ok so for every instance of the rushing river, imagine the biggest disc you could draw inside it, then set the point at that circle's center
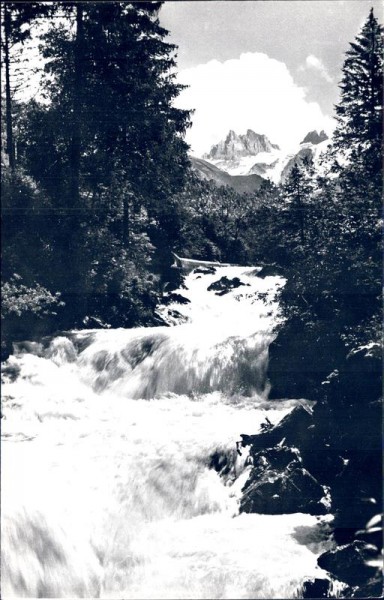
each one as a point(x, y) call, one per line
point(109, 442)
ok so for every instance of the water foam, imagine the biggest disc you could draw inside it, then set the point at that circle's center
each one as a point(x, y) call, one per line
point(107, 478)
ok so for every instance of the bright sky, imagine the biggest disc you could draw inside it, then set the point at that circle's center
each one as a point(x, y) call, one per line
point(269, 65)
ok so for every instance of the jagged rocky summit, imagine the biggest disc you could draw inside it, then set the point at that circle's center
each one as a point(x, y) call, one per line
point(236, 146)
point(313, 137)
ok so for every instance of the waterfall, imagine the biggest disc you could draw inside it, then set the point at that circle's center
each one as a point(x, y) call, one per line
point(120, 476)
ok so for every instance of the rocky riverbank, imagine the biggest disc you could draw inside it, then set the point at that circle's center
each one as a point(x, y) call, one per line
point(326, 459)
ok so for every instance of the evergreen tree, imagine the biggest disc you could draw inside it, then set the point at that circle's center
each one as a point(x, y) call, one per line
point(359, 114)
point(122, 70)
point(297, 200)
point(108, 148)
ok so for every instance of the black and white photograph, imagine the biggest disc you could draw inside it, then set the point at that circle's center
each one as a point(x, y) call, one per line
point(191, 299)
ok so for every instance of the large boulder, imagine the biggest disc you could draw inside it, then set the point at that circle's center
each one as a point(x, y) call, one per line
point(358, 378)
point(301, 357)
point(174, 298)
point(279, 484)
point(316, 588)
point(350, 563)
point(290, 491)
point(301, 428)
point(270, 271)
point(372, 588)
point(225, 285)
point(292, 428)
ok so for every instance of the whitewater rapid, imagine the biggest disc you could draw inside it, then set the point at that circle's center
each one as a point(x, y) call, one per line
point(110, 438)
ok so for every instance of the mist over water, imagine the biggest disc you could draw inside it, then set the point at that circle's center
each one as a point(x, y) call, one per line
point(109, 442)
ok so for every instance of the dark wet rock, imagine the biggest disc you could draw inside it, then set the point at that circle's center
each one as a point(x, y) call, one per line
point(174, 297)
point(205, 270)
point(159, 321)
point(299, 429)
point(358, 378)
point(316, 588)
point(176, 316)
point(10, 371)
point(225, 285)
point(221, 462)
point(278, 482)
point(349, 563)
point(301, 357)
point(95, 323)
point(290, 491)
point(6, 349)
point(372, 588)
point(293, 427)
point(277, 458)
point(270, 271)
point(356, 499)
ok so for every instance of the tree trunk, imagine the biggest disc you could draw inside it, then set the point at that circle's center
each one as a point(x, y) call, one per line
point(75, 152)
point(125, 223)
point(300, 207)
point(76, 268)
point(8, 100)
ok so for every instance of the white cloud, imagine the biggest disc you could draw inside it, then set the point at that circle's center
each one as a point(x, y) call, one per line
point(251, 92)
point(314, 63)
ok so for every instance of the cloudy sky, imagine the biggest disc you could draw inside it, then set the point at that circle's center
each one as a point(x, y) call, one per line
point(269, 65)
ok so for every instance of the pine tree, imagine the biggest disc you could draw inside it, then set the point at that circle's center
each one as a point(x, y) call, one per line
point(108, 147)
point(17, 19)
point(297, 191)
point(127, 83)
point(359, 114)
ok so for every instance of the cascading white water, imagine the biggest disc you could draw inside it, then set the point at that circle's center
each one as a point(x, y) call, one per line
point(109, 438)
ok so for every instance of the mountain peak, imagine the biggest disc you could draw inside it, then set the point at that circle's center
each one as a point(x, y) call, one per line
point(231, 135)
point(235, 146)
point(313, 137)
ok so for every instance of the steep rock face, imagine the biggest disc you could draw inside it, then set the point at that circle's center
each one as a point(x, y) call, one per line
point(235, 146)
point(306, 152)
point(313, 137)
point(263, 169)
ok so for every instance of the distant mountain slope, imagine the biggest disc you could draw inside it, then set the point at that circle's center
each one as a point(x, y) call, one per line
point(241, 183)
point(307, 150)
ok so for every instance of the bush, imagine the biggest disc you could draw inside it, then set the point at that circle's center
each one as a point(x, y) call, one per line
point(26, 311)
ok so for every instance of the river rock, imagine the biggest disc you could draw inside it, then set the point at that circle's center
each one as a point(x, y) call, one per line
point(301, 357)
point(292, 428)
point(269, 271)
point(225, 285)
point(270, 491)
point(175, 298)
point(372, 588)
point(349, 563)
point(205, 270)
point(358, 379)
point(316, 588)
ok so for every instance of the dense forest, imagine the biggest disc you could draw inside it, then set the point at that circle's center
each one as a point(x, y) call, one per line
point(98, 191)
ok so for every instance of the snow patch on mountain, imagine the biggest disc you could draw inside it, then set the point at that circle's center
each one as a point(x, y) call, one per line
point(255, 154)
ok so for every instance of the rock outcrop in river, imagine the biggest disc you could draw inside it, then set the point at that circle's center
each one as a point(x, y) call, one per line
point(338, 447)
